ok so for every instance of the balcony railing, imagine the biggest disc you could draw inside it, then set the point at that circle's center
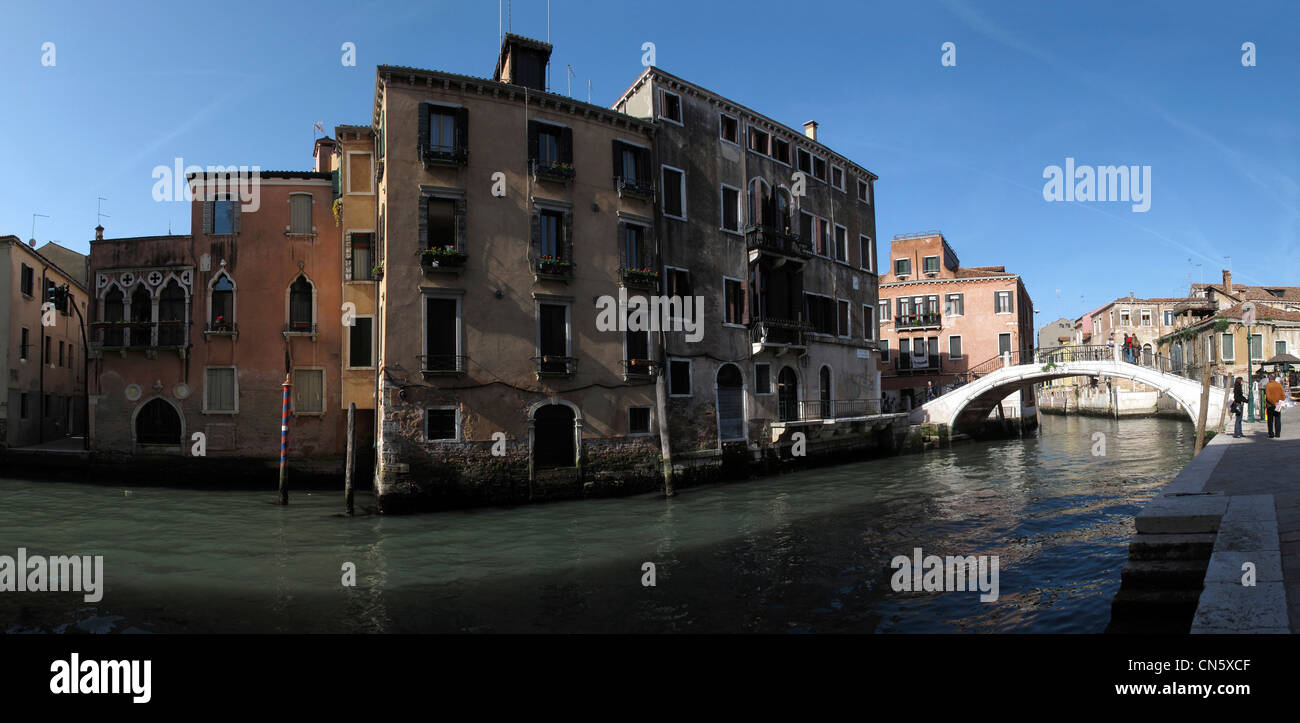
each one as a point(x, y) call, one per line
point(449, 364)
point(917, 366)
point(125, 334)
point(549, 365)
point(917, 321)
point(778, 332)
point(826, 409)
point(640, 369)
point(634, 188)
point(555, 171)
point(769, 239)
point(457, 155)
point(641, 278)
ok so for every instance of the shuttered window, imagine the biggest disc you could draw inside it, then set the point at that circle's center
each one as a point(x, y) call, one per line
point(300, 213)
point(220, 388)
point(308, 391)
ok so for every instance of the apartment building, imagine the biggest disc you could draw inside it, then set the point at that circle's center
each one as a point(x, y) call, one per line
point(942, 322)
point(44, 359)
point(198, 332)
point(775, 231)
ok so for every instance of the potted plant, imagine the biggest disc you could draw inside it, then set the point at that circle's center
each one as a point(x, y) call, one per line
point(377, 272)
point(548, 264)
point(441, 256)
point(643, 275)
point(220, 323)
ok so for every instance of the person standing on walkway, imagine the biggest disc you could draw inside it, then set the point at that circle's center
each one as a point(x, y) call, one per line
point(1273, 396)
point(1238, 406)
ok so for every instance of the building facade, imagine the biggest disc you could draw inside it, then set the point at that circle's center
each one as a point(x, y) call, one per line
point(942, 322)
point(44, 359)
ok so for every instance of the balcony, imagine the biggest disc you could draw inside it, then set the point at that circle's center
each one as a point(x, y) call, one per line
point(550, 366)
point(908, 365)
point(146, 336)
point(447, 365)
point(550, 268)
point(642, 190)
point(928, 320)
point(300, 328)
point(640, 370)
point(443, 260)
point(558, 172)
point(639, 278)
point(770, 240)
point(443, 155)
point(781, 335)
point(221, 327)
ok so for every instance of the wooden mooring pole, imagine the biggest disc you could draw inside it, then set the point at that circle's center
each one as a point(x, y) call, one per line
point(347, 475)
point(1204, 410)
point(284, 443)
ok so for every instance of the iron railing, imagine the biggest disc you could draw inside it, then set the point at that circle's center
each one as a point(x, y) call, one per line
point(913, 321)
point(442, 363)
point(773, 240)
point(771, 330)
point(824, 409)
point(549, 365)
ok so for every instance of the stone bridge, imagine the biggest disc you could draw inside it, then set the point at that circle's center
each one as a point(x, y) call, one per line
point(972, 402)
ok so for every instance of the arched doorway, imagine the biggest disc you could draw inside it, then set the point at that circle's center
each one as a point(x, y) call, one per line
point(1147, 355)
point(731, 404)
point(787, 395)
point(1176, 357)
point(553, 437)
point(824, 392)
point(157, 423)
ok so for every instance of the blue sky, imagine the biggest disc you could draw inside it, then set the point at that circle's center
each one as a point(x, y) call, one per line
point(961, 149)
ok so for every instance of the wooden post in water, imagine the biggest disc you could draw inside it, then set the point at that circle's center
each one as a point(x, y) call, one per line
point(284, 443)
point(347, 475)
point(1204, 410)
point(1223, 411)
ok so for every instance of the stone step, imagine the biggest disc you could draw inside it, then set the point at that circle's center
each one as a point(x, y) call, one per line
point(1174, 546)
point(1171, 575)
point(1153, 611)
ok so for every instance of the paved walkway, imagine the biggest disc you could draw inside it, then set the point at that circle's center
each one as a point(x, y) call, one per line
point(1257, 465)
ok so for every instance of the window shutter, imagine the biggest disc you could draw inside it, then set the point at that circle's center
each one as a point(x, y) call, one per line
point(207, 217)
point(568, 236)
point(618, 159)
point(622, 243)
point(334, 182)
point(566, 145)
point(643, 165)
point(462, 128)
point(533, 152)
point(462, 214)
point(234, 215)
point(536, 228)
point(423, 138)
point(423, 222)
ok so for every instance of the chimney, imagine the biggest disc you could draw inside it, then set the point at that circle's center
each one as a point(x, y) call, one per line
point(810, 129)
point(1227, 281)
point(322, 151)
point(522, 61)
point(99, 232)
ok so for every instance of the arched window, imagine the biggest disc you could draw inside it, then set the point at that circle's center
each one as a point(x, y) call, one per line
point(1147, 358)
point(114, 311)
point(222, 304)
point(787, 395)
point(731, 403)
point(171, 315)
point(300, 304)
point(824, 393)
point(760, 202)
point(784, 221)
point(141, 317)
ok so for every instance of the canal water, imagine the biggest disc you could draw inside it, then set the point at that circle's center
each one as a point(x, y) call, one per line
point(801, 552)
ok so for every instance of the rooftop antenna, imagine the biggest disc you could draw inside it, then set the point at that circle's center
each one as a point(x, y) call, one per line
point(588, 90)
point(509, 12)
point(34, 216)
point(317, 127)
point(99, 210)
point(548, 22)
point(499, 16)
point(570, 79)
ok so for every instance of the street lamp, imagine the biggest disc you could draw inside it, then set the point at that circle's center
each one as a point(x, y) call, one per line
point(1248, 316)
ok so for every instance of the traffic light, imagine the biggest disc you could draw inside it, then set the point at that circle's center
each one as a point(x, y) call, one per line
point(57, 295)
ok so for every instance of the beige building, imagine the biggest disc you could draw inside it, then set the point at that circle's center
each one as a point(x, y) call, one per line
point(44, 363)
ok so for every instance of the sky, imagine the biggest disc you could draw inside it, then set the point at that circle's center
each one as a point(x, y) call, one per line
point(962, 148)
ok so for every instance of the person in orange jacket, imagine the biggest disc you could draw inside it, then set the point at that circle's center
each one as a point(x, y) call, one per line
point(1273, 396)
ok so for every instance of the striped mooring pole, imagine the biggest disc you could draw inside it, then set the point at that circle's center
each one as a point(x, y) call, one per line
point(284, 443)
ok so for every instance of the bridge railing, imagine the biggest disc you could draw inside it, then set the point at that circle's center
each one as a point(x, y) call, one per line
point(1160, 362)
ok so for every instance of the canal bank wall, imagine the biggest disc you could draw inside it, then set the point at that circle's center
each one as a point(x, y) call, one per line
point(1105, 400)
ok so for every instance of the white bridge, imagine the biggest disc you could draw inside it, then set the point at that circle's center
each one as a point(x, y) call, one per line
point(994, 380)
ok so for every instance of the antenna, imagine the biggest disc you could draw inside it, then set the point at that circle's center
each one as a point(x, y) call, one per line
point(317, 127)
point(499, 16)
point(99, 211)
point(570, 79)
point(548, 22)
point(34, 216)
point(509, 12)
point(588, 90)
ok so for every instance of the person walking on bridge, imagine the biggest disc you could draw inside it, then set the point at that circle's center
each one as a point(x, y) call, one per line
point(1273, 396)
point(1238, 405)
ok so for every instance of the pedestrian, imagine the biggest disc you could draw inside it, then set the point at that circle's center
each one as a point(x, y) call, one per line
point(1273, 396)
point(1238, 405)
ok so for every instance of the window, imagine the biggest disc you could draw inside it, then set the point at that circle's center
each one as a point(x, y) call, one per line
point(300, 305)
point(442, 424)
point(360, 179)
point(636, 345)
point(1229, 354)
point(308, 391)
point(631, 163)
point(221, 390)
point(552, 231)
point(679, 378)
point(781, 150)
point(902, 267)
point(954, 347)
point(730, 209)
point(300, 214)
point(866, 253)
point(548, 145)
point(819, 168)
point(1124, 318)
point(820, 312)
point(674, 181)
point(442, 349)
point(634, 250)
point(60, 354)
point(1112, 318)
point(638, 420)
point(930, 264)
point(759, 141)
point(841, 244)
point(954, 304)
point(821, 236)
point(885, 310)
point(27, 280)
point(220, 216)
point(864, 191)
point(22, 406)
point(1146, 317)
point(1169, 317)
point(728, 128)
point(806, 226)
point(805, 160)
point(1256, 347)
point(842, 318)
point(553, 337)
point(677, 282)
point(868, 322)
point(222, 304)
point(26, 342)
point(932, 346)
point(837, 177)
point(1002, 302)
point(443, 135)
point(442, 224)
point(733, 293)
point(1004, 343)
point(762, 379)
point(361, 342)
point(884, 347)
point(1279, 346)
point(670, 107)
point(361, 263)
